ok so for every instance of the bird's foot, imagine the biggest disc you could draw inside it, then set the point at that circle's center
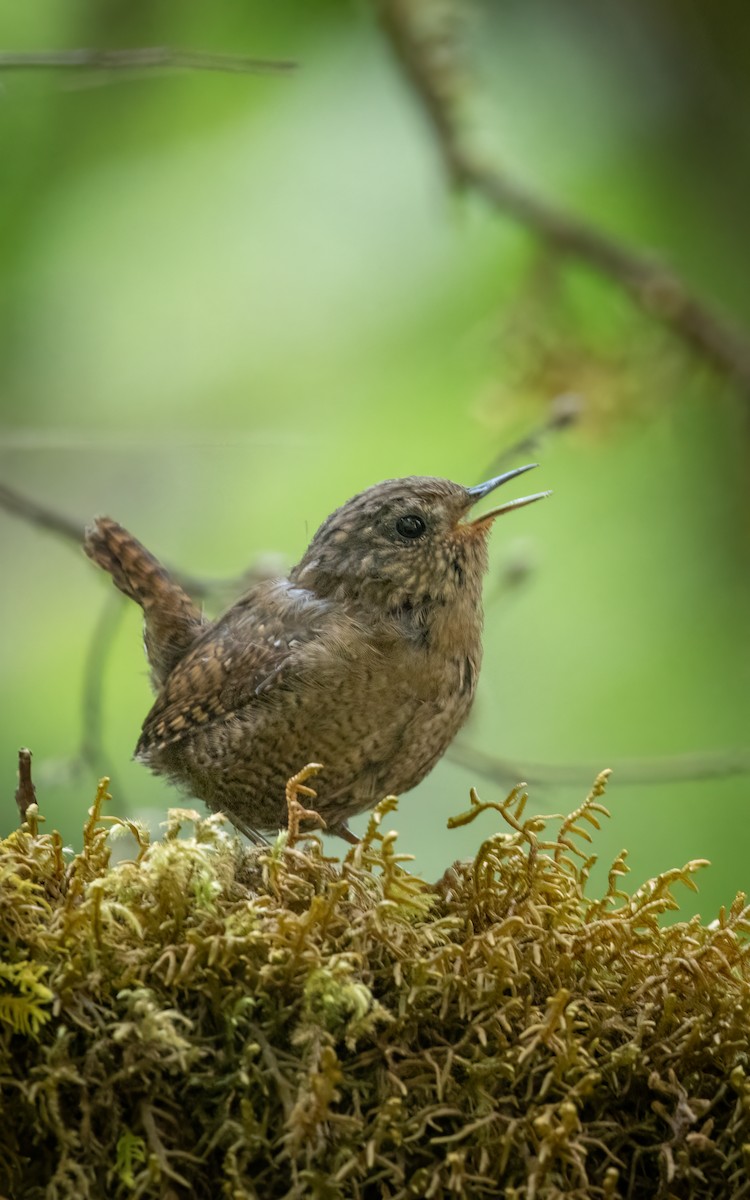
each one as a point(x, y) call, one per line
point(296, 812)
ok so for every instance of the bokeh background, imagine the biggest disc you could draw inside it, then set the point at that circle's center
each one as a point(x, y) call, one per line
point(228, 302)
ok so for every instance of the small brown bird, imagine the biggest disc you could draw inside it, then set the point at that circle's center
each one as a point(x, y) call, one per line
point(365, 659)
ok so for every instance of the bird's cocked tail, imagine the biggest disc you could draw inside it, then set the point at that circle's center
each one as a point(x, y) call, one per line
point(172, 620)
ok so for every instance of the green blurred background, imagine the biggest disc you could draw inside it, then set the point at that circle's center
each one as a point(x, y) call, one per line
point(229, 302)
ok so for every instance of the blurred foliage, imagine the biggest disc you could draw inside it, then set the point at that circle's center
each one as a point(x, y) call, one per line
point(208, 1021)
point(229, 302)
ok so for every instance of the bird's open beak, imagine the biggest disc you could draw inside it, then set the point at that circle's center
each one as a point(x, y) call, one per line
point(483, 489)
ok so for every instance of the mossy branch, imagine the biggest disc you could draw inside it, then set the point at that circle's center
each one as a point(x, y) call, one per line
point(204, 1020)
point(425, 36)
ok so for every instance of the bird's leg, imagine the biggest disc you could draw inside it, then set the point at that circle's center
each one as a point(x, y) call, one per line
point(296, 812)
point(252, 835)
point(247, 831)
point(343, 831)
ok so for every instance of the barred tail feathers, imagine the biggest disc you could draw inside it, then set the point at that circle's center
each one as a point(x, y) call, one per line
point(172, 620)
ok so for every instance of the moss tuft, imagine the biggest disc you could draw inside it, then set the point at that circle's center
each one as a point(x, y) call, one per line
point(208, 1021)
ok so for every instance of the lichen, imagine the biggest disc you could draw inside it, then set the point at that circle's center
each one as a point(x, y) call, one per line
point(210, 1021)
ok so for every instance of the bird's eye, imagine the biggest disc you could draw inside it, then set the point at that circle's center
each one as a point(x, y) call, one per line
point(410, 526)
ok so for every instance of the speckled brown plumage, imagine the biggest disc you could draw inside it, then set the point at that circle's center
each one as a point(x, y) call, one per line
point(364, 659)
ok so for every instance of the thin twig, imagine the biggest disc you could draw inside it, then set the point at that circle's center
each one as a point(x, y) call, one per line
point(429, 56)
point(72, 531)
point(26, 792)
point(674, 768)
point(159, 58)
point(36, 514)
point(565, 410)
point(91, 749)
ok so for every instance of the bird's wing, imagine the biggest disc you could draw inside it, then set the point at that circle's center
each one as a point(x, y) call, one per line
point(241, 660)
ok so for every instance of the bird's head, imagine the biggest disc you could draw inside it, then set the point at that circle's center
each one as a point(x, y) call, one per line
point(405, 542)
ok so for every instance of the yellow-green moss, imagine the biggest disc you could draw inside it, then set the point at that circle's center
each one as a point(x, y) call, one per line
point(207, 1021)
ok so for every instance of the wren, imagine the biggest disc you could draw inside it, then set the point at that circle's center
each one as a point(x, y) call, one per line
point(364, 659)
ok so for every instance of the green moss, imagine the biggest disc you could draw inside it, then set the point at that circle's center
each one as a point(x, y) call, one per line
point(208, 1021)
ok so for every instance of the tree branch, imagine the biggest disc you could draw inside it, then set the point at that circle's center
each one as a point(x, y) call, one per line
point(160, 58)
point(427, 50)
